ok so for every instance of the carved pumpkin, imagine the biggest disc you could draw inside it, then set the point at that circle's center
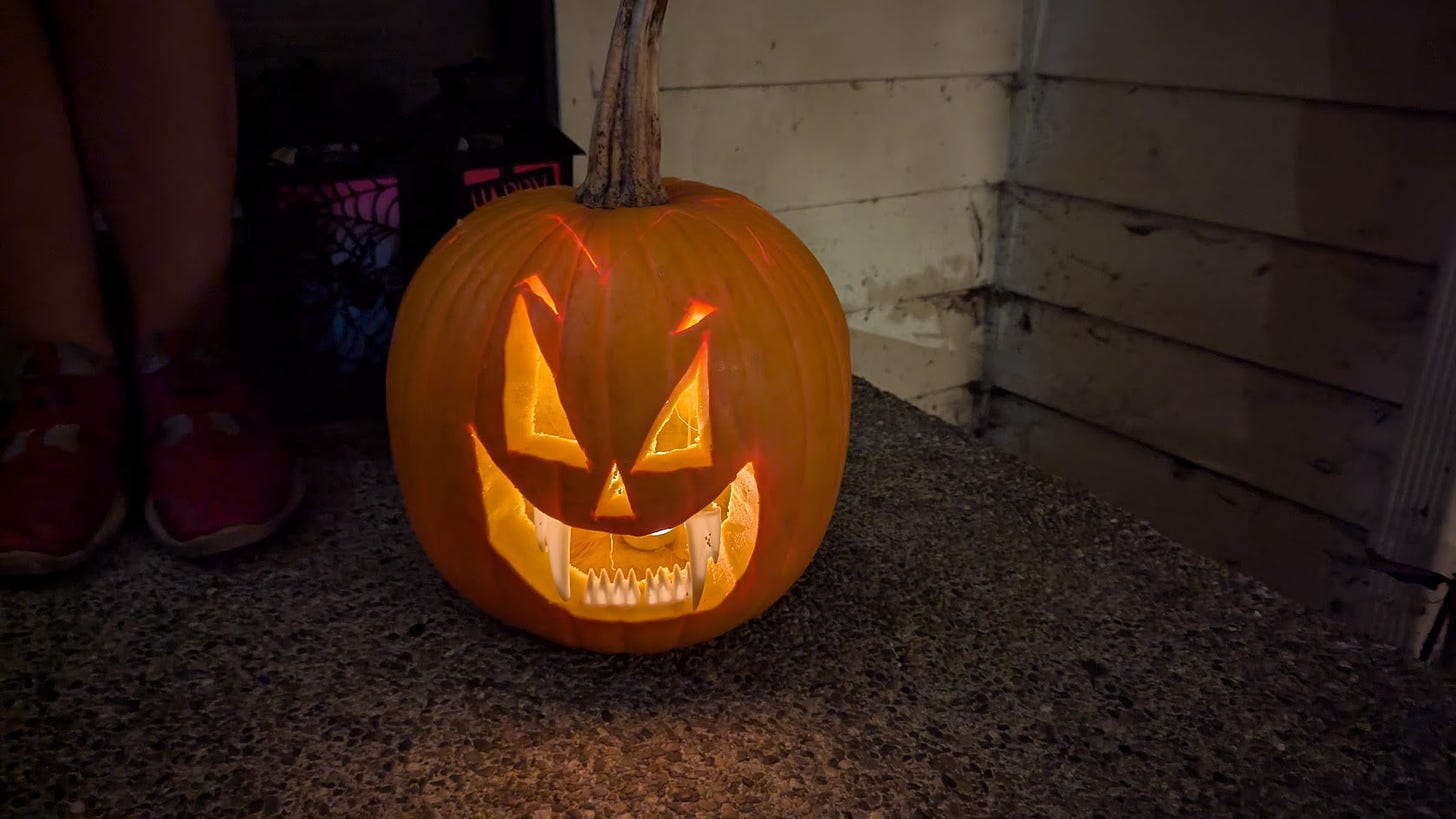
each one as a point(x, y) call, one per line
point(619, 415)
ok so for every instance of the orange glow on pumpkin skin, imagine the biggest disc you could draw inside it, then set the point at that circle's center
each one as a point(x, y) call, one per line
point(576, 237)
point(677, 564)
point(495, 561)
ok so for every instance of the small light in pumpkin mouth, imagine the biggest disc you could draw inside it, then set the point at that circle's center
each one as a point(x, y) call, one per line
point(662, 585)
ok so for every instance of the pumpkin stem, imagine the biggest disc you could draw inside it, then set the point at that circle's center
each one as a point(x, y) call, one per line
point(624, 160)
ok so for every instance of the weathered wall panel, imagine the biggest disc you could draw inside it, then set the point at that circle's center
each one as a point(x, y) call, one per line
point(887, 250)
point(1345, 319)
point(919, 346)
point(1368, 180)
point(1361, 51)
point(772, 42)
point(1319, 446)
point(875, 131)
point(1219, 248)
point(955, 405)
point(1311, 557)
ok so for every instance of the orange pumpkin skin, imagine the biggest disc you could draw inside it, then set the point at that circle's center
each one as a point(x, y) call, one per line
point(611, 326)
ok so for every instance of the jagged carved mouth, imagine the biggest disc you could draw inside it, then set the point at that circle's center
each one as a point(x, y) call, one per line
point(689, 566)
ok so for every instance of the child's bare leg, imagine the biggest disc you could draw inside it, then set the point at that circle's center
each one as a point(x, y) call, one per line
point(49, 290)
point(151, 86)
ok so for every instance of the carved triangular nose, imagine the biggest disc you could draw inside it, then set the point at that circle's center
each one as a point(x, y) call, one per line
point(613, 502)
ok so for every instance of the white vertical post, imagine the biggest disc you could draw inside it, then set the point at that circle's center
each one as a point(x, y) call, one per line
point(1419, 523)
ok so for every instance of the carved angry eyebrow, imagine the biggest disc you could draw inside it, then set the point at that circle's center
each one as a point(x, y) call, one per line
point(697, 310)
point(536, 286)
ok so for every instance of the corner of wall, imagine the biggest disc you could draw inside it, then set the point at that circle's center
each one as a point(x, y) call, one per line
point(1024, 89)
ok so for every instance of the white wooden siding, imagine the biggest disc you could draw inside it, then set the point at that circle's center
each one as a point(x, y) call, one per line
point(955, 405)
point(1369, 180)
point(877, 132)
point(787, 146)
point(1220, 234)
point(1322, 447)
point(887, 250)
point(1311, 557)
point(1345, 319)
point(919, 346)
point(1371, 52)
point(774, 42)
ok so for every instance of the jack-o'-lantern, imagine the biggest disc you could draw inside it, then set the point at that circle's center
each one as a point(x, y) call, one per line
point(619, 415)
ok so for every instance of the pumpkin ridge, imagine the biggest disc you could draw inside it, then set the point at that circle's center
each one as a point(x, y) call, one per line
point(796, 341)
point(413, 329)
point(544, 255)
point(458, 287)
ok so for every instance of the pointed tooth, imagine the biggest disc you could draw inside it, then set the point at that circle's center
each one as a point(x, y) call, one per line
point(698, 563)
point(619, 589)
point(705, 531)
point(546, 527)
point(707, 526)
point(654, 587)
point(558, 550)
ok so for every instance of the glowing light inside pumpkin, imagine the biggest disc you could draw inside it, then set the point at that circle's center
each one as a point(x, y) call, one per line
point(600, 576)
point(696, 312)
point(543, 430)
point(682, 433)
point(535, 285)
point(675, 565)
point(613, 502)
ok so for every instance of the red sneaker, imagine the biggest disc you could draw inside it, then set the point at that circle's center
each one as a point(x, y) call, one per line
point(62, 494)
point(220, 474)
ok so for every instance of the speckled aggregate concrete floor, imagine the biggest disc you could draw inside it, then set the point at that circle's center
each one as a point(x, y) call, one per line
point(974, 638)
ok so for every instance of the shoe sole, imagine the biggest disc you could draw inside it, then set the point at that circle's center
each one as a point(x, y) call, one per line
point(233, 537)
point(18, 563)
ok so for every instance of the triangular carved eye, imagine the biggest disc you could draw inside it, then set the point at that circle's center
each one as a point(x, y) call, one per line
point(682, 435)
point(535, 421)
